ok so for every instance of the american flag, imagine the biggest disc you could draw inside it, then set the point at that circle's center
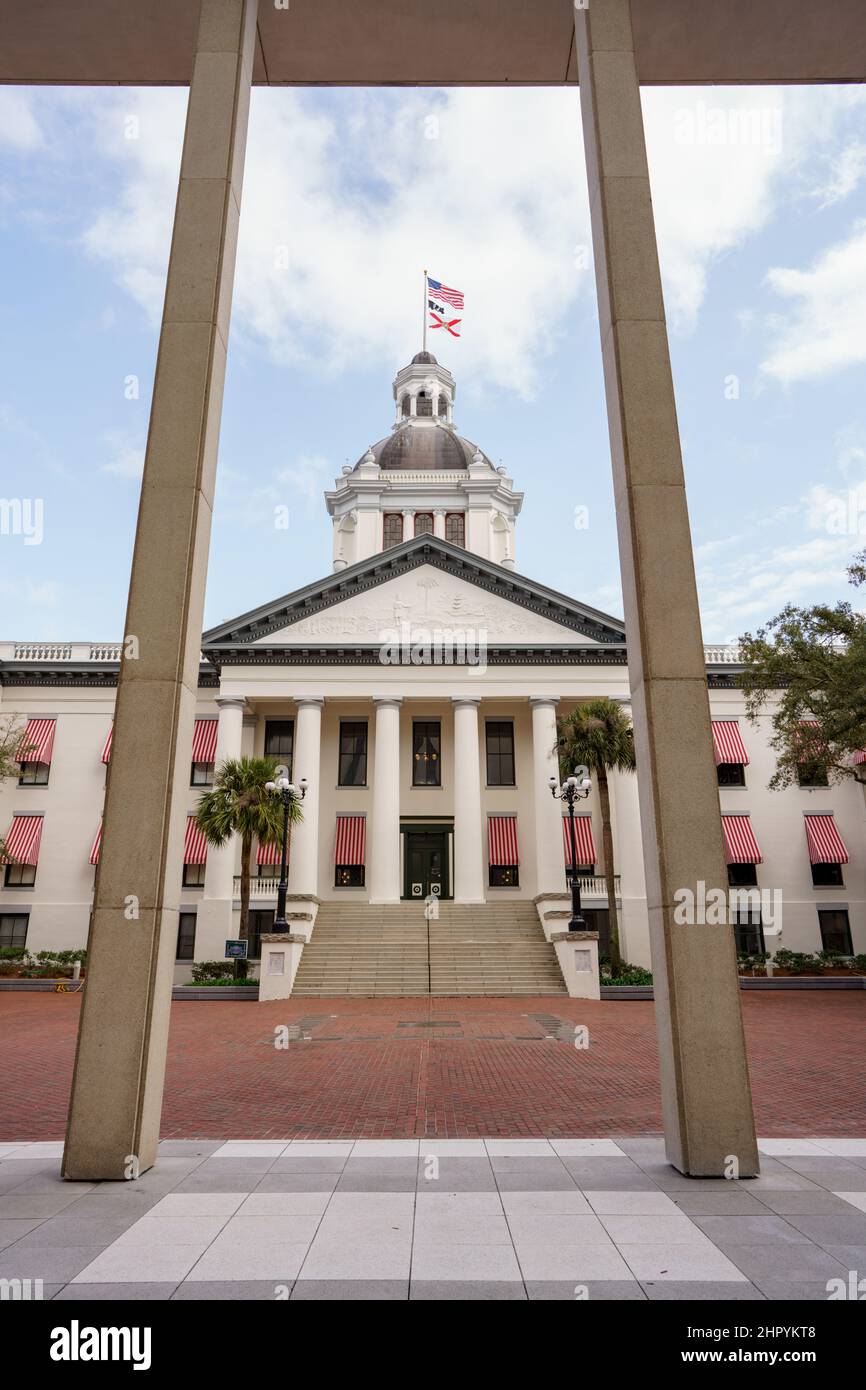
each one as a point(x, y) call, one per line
point(440, 291)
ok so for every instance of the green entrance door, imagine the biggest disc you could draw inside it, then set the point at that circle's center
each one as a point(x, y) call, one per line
point(426, 864)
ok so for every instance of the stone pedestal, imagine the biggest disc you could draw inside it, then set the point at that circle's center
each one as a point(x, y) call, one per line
point(280, 958)
point(577, 953)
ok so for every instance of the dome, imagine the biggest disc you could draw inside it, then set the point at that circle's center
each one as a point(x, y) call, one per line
point(411, 449)
point(424, 359)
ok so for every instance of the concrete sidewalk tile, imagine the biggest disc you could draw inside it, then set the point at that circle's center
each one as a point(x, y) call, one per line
point(55, 1265)
point(466, 1291)
point(569, 1201)
point(844, 1147)
point(856, 1199)
point(701, 1261)
point(671, 1230)
point(261, 1148)
point(224, 1261)
point(233, 1290)
point(552, 1177)
point(109, 1293)
point(782, 1290)
point(798, 1264)
point(319, 1148)
point(533, 1228)
point(586, 1148)
point(308, 1163)
point(815, 1201)
point(13, 1228)
point(434, 1260)
point(351, 1290)
point(455, 1175)
point(158, 1263)
point(172, 1230)
point(790, 1148)
point(844, 1228)
point(475, 1203)
point(198, 1204)
point(64, 1230)
point(451, 1148)
point(769, 1229)
point(518, 1148)
point(284, 1204)
point(461, 1228)
point(385, 1148)
point(624, 1203)
point(703, 1290)
point(349, 1258)
point(738, 1203)
point(37, 1204)
point(544, 1262)
point(268, 1230)
point(587, 1290)
point(298, 1182)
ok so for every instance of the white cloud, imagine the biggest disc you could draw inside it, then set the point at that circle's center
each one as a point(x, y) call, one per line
point(127, 455)
point(19, 128)
point(823, 330)
point(846, 170)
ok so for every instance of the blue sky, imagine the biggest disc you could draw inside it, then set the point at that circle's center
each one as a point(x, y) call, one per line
point(760, 199)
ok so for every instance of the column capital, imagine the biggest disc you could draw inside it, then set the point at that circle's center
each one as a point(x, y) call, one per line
point(543, 701)
point(458, 701)
point(383, 701)
point(309, 701)
point(408, 511)
point(231, 702)
point(440, 511)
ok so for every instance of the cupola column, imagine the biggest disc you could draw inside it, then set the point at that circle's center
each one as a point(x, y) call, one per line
point(439, 522)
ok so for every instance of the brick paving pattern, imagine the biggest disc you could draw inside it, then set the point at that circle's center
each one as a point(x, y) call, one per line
point(392, 1068)
point(437, 1219)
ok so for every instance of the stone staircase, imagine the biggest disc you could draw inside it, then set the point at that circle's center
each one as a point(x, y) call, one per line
point(391, 950)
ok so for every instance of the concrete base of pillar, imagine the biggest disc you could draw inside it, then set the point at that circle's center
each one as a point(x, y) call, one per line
point(281, 956)
point(577, 953)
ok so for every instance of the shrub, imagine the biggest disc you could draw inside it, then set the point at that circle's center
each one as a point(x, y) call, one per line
point(797, 962)
point(626, 975)
point(207, 971)
point(227, 980)
point(754, 961)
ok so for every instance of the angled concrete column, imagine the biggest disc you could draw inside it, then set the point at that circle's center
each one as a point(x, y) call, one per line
point(706, 1099)
point(306, 762)
point(385, 885)
point(549, 858)
point(120, 1062)
point(468, 832)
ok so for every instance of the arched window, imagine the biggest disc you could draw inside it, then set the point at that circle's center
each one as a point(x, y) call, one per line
point(392, 529)
point(406, 405)
point(423, 523)
point(455, 528)
point(443, 406)
point(424, 404)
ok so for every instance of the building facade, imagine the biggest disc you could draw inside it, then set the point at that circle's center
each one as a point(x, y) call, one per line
point(416, 688)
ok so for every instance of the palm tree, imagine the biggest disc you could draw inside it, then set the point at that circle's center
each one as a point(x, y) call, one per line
point(598, 735)
point(238, 804)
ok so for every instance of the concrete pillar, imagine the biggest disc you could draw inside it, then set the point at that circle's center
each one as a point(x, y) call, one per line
point(468, 832)
point(547, 827)
point(706, 1100)
point(214, 917)
point(385, 885)
point(117, 1084)
point(306, 762)
point(439, 523)
point(408, 524)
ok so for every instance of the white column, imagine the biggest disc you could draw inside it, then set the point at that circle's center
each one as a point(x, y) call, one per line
point(439, 522)
point(413, 403)
point(385, 884)
point(214, 919)
point(468, 836)
point(408, 524)
point(549, 857)
point(306, 762)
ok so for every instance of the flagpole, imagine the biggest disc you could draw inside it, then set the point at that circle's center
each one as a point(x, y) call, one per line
point(424, 313)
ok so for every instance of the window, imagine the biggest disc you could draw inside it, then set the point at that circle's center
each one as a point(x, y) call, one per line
point(426, 754)
point(392, 529)
point(500, 753)
point(424, 403)
point(835, 930)
point(406, 406)
point(349, 876)
point(748, 932)
point(353, 753)
point(279, 740)
point(423, 523)
point(186, 936)
point(455, 528)
point(193, 875)
point(261, 920)
point(271, 870)
point(504, 876)
point(443, 406)
point(201, 775)
point(731, 774)
point(34, 774)
point(827, 875)
point(811, 775)
point(13, 928)
point(742, 876)
point(20, 875)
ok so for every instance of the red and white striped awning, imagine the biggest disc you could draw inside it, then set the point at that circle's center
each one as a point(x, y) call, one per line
point(741, 847)
point(502, 841)
point(106, 752)
point(195, 844)
point(271, 854)
point(860, 756)
point(22, 841)
point(350, 846)
point(204, 741)
point(583, 839)
point(97, 843)
point(37, 741)
point(826, 845)
point(728, 746)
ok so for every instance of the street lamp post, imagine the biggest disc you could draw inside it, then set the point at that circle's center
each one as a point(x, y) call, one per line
point(287, 792)
point(573, 789)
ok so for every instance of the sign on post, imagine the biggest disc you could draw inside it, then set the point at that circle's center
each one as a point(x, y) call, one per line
point(236, 950)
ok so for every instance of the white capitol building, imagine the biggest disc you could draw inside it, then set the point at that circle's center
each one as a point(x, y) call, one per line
point(416, 689)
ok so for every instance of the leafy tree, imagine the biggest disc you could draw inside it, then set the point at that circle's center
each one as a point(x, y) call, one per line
point(598, 735)
point(238, 804)
point(808, 666)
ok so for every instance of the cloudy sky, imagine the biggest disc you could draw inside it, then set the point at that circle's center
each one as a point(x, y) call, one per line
point(760, 198)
